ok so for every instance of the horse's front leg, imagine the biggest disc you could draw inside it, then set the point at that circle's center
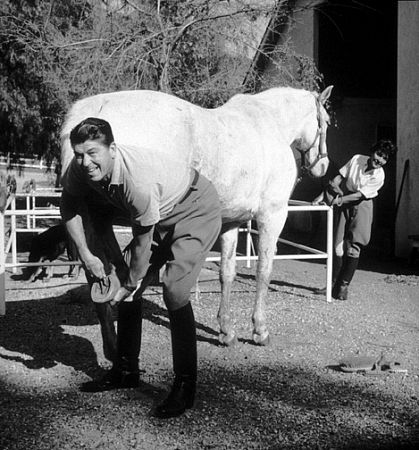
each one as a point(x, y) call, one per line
point(269, 228)
point(102, 243)
point(228, 240)
point(106, 318)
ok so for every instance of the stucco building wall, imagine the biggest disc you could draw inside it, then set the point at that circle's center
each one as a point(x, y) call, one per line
point(408, 123)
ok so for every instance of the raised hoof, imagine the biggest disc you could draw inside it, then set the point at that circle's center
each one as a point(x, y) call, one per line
point(227, 340)
point(259, 340)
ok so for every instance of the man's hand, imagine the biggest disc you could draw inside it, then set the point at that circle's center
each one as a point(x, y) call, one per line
point(123, 294)
point(95, 266)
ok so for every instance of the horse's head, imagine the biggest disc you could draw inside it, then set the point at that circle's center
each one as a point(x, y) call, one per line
point(312, 140)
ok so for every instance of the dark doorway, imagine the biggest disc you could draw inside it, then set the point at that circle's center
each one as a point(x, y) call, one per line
point(358, 47)
point(357, 53)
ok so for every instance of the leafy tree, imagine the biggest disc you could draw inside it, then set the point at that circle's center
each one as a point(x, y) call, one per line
point(53, 52)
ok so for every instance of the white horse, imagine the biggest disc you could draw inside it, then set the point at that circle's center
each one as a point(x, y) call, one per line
point(244, 147)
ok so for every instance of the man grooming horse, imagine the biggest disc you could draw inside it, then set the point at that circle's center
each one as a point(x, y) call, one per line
point(105, 180)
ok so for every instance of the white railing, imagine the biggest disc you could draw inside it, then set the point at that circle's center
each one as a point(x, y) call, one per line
point(16, 162)
point(32, 213)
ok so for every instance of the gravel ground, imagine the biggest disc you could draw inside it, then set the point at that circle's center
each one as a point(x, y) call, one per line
point(286, 395)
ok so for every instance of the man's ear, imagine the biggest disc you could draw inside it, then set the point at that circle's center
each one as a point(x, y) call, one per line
point(112, 150)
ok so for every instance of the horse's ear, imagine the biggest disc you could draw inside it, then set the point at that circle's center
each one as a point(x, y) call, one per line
point(323, 97)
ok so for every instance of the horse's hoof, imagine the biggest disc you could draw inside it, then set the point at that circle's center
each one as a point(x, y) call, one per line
point(227, 340)
point(261, 340)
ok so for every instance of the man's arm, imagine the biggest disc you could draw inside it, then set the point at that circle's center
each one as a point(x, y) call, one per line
point(140, 249)
point(140, 254)
point(69, 207)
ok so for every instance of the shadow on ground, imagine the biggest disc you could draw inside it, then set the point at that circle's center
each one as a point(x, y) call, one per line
point(272, 406)
point(35, 328)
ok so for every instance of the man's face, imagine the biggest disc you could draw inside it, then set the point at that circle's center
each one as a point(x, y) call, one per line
point(378, 160)
point(96, 159)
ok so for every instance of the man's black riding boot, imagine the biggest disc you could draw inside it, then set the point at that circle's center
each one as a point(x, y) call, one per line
point(336, 268)
point(182, 394)
point(348, 270)
point(125, 372)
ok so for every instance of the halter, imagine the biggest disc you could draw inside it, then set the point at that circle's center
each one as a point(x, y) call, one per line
point(322, 145)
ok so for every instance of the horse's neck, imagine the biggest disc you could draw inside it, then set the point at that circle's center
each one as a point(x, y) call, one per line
point(292, 111)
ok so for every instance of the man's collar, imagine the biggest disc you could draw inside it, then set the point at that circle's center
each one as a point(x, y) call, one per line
point(116, 178)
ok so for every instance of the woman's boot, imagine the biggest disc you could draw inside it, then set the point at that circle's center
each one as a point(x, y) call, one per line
point(182, 394)
point(336, 268)
point(348, 270)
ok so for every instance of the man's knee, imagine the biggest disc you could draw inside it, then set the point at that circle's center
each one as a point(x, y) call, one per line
point(175, 295)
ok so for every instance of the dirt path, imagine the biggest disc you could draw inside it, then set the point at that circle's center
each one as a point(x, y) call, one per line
point(286, 395)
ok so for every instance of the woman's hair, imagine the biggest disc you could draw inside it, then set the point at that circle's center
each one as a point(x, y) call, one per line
point(91, 129)
point(385, 147)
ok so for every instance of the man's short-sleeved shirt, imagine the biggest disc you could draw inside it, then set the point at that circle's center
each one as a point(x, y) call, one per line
point(145, 184)
point(358, 179)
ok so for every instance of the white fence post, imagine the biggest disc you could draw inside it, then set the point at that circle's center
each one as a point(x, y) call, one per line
point(329, 247)
point(13, 234)
point(28, 217)
point(2, 268)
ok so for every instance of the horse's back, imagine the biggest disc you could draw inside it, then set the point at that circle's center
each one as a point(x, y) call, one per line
point(144, 118)
point(130, 111)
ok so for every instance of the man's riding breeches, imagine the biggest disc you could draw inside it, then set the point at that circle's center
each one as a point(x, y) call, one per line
point(182, 240)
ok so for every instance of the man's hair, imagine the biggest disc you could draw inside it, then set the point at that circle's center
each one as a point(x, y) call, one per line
point(91, 129)
point(385, 147)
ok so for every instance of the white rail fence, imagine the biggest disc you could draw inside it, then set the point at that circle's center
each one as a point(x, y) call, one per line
point(34, 213)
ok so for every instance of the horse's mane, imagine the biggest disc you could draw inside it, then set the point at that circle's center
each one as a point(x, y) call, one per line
point(282, 95)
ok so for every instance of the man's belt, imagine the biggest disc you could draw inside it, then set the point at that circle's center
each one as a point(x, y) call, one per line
point(192, 187)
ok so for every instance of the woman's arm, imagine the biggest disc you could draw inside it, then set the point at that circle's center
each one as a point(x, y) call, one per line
point(340, 200)
point(334, 185)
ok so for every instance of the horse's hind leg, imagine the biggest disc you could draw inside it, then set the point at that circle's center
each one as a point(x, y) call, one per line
point(269, 228)
point(49, 273)
point(72, 254)
point(228, 241)
point(35, 274)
